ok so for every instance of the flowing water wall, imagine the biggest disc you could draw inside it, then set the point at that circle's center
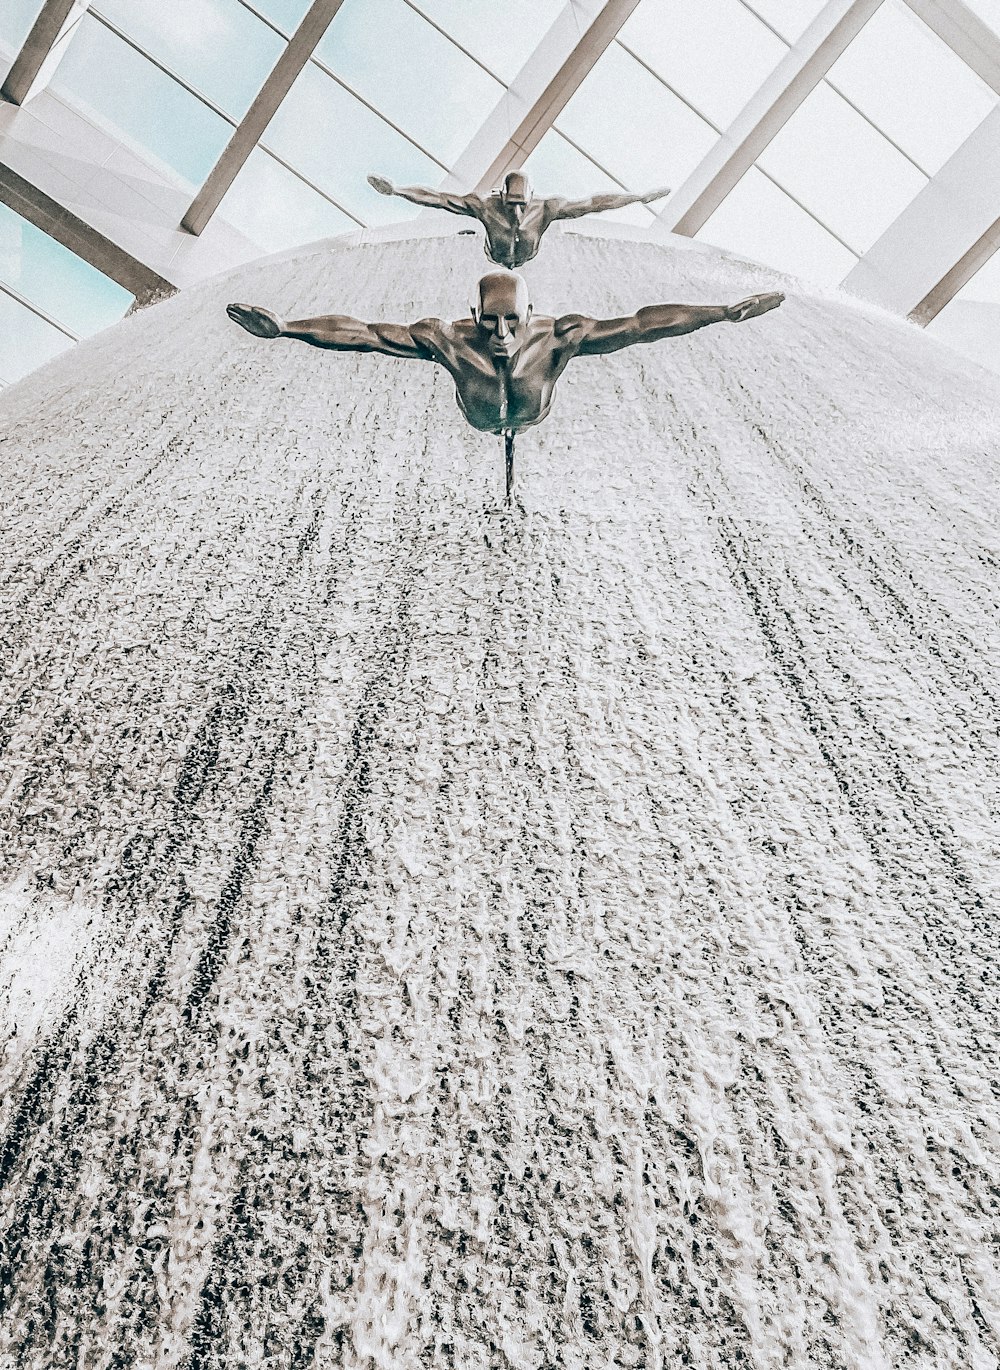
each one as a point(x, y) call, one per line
point(433, 937)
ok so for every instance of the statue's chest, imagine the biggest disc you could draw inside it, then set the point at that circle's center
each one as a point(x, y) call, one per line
point(516, 243)
point(500, 397)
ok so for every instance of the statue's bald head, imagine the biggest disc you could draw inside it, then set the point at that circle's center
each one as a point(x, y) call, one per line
point(516, 188)
point(502, 309)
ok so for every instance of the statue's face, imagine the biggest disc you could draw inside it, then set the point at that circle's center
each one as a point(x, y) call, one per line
point(515, 195)
point(503, 313)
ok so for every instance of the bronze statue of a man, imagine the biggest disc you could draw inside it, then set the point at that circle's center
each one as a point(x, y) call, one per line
point(514, 219)
point(505, 360)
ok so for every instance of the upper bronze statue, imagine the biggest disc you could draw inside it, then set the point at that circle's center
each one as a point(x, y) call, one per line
point(505, 360)
point(514, 219)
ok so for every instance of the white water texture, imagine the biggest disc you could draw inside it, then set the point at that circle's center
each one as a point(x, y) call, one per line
point(442, 938)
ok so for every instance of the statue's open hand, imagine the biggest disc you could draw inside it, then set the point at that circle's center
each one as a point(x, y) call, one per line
point(756, 304)
point(261, 322)
point(652, 195)
point(380, 184)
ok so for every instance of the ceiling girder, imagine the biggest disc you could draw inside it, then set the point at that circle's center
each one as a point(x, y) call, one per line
point(249, 131)
point(942, 237)
point(796, 75)
point(87, 242)
point(540, 92)
point(965, 33)
point(45, 31)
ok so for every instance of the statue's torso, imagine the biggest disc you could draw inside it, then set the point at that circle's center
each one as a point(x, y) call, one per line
point(511, 396)
point(508, 244)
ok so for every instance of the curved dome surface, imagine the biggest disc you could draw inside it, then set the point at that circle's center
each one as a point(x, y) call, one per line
point(441, 937)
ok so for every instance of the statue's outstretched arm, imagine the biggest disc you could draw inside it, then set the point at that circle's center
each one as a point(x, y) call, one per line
point(557, 208)
point(656, 321)
point(432, 199)
point(338, 332)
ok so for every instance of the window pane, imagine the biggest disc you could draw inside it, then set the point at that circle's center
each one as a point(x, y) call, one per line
point(790, 17)
point(759, 221)
point(503, 37)
point(629, 122)
point(912, 85)
point(287, 14)
point(26, 341)
point(217, 46)
point(407, 70)
point(355, 141)
point(714, 55)
point(275, 210)
point(16, 19)
point(122, 91)
point(49, 275)
point(842, 169)
point(556, 168)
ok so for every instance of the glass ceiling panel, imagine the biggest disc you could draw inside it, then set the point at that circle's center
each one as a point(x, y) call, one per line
point(354, 142)
point(26, 341)
point(287, 14)
point(411, 73)
point(912, 85)
point(16, 19)
point(841, 169)
point(502, 36)
point(629, 122)
point(790, 17)
point(217, 46)
point(275, 210)
point(557, 168)
point(714, 55)
point(759, 221)
point(124, 92)
point(50, 276)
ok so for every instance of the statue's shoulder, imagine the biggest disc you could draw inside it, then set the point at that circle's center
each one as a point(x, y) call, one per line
point(439, 335)
point(570, 326)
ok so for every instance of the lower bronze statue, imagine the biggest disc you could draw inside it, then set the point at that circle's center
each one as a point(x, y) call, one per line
point(505, 360)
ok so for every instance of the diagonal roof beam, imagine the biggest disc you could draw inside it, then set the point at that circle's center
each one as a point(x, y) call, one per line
point(52, 21)
point(539, 93)
point(943, 236)
point(965, 33)
point(796, 76)
point(31, 203)
point(248, 133)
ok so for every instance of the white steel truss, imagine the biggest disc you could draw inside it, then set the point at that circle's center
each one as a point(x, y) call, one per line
point(800, 71)
point(539, 93)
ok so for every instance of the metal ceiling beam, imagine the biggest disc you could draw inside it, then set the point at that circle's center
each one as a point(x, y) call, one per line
point(248, 133)
point(962, 272)
point(539, 93)
point(943, 236)
point(965, 33)
point(796, 75)
point(52, 218)
point(52, 20)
